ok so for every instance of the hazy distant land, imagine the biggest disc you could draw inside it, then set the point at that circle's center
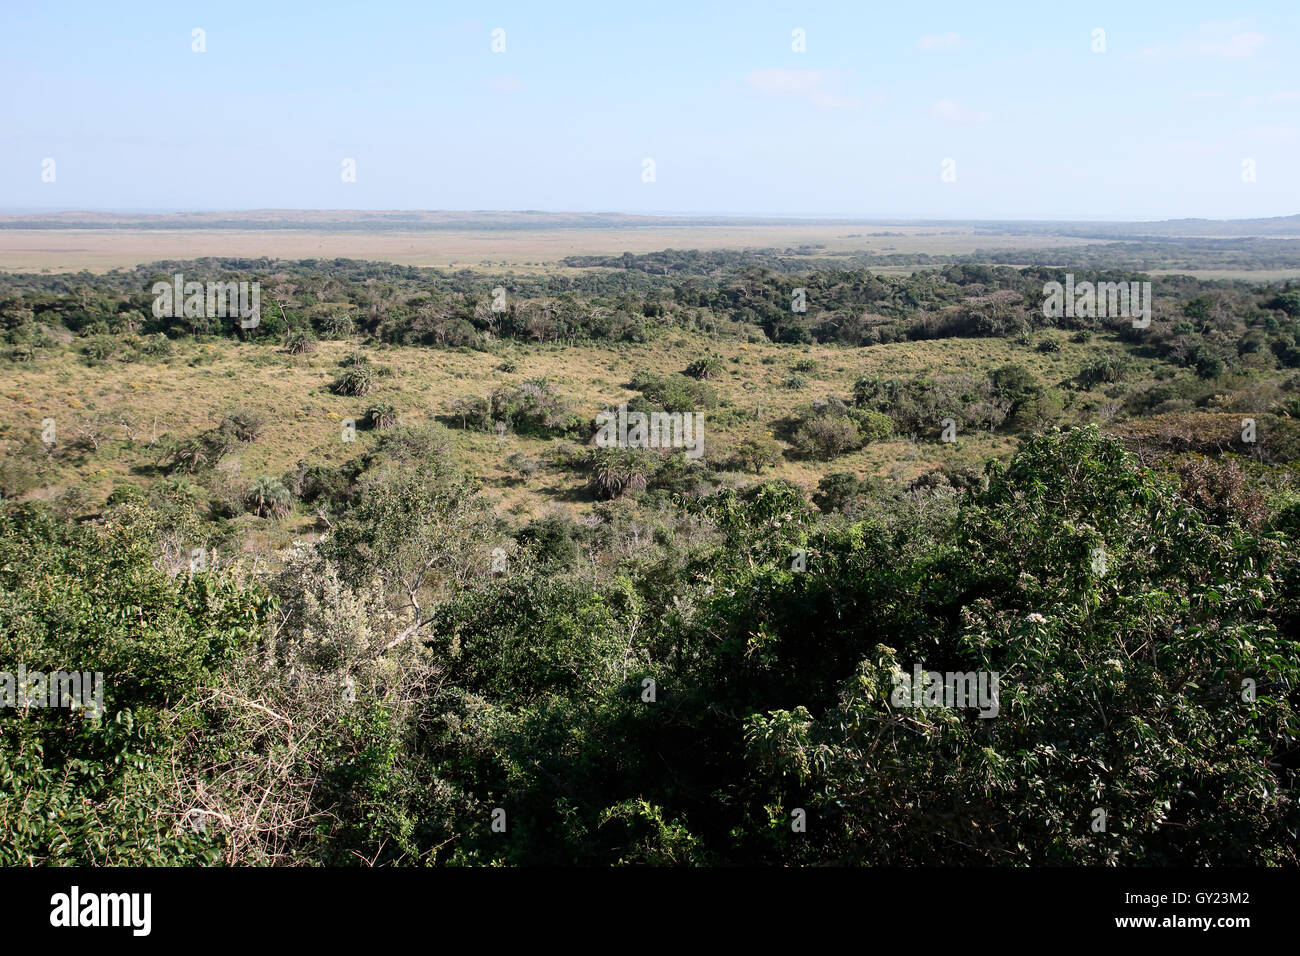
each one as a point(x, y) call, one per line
point(100, 241)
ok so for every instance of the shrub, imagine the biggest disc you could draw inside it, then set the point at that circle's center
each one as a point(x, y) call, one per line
point(1210, 366)
point(551, 539)
point(705, 367)
point(474, 411)
point(1223, 492)
point(1013, 383)
point(525, 466)
point(299, 341)
point(671, 393)
point(826, 436)
point(156, 345)
point(428, 445)
point(1101, 371)
point(381, 414)
point(337, 325)
point(872, 426)
point(756, 453)
point(243, 424)
point(99, 348)
point(1288, 302)
point(201, 451)
point(835, 491)
point(85, 791)
point(354, 381)
point(22, 467)
point(532, 407)
point(1039, 410)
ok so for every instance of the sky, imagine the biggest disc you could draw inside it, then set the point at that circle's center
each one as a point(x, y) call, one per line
point(928, 110)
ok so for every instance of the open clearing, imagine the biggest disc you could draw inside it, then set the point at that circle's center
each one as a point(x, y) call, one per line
point(99, 250)
point(188, 393)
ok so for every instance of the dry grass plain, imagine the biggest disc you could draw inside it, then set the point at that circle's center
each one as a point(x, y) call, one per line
point(99, 250)
point(189, 391)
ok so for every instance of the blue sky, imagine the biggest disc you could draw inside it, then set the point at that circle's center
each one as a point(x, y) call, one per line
point(1039, 126)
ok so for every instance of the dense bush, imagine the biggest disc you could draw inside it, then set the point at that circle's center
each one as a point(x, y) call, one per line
point(831, 428)
point(299, 341)
point(671, 393)
point(706, 367)
point(534, 407)
point(356, 380)
point(1141, 625)
point(244, 424)
point(382, 414)
point(80, 789)
point(661, 676)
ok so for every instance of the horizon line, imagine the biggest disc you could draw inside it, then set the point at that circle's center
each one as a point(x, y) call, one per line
point(755, 217)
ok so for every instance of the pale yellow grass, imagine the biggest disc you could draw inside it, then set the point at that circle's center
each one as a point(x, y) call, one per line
point(305, 418)
point(98, 250)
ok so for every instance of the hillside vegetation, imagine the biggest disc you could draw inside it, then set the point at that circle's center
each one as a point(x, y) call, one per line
point(365, 589)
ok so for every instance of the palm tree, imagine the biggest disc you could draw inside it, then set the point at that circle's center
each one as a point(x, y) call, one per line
point(268, 497)
point(615, 471)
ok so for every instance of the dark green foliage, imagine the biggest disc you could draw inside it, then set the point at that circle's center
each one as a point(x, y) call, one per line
point(299, 341)
point(553, 540)
point(81, 790)
point(706, 367)
point(661, 680)
point(199, 452)
point(836, 491)
point(671, 393)
point(533, 407)
point(1101, 372)
point(268, 498)
point(831, 428)
point(356, 380)
point(674, 710)
point(381, 414)
point(1288, 302)
point(244, 424)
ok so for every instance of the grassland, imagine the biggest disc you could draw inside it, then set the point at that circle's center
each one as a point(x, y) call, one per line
point(173, 399)
point(99, 250)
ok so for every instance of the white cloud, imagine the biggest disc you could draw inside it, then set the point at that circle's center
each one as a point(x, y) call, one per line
point(808, 84)
point(1218, 41)
point(939, 41)
point(953, 112)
